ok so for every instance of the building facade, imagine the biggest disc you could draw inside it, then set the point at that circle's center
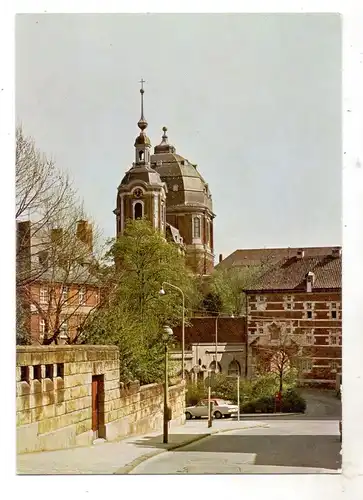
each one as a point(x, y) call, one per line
point(301, 297)
point(56, 286)
point(166, 189)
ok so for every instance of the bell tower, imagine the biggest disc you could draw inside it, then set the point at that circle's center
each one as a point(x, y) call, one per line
point(142, 193)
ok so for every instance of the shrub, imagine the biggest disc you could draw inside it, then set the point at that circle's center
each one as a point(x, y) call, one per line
point(291, 402)
point(195, 392)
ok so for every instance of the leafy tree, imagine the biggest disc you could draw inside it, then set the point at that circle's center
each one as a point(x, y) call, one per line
point(229, 285)
point(135, 313)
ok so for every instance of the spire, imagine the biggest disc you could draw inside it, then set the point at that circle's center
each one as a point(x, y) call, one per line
point(142, 123)
point(164, 146)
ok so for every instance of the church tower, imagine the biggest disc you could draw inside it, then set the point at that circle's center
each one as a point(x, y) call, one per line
point(142, 193)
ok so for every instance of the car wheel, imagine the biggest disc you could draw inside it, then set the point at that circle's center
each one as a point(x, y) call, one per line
point(188, 415)
point(217, 414)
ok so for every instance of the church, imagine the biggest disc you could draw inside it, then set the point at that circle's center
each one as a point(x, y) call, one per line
point(166, 189)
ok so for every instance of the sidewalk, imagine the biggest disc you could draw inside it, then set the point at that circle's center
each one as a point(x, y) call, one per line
point(120, 457)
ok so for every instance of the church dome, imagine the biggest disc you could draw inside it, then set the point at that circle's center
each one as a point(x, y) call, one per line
point(141, 173)
point(185, 184)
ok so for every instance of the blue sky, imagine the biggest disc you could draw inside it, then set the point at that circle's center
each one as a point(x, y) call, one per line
point(253, 99)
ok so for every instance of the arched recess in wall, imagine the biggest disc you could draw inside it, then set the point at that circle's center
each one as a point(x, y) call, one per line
point(138, 210)
point(234, 368)
point(212, 367)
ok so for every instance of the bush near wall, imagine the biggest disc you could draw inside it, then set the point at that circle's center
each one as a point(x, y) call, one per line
point(291, 402)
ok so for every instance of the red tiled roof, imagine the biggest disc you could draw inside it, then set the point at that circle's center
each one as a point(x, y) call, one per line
point(256, 256)
point(290, 274)
point(231, 330)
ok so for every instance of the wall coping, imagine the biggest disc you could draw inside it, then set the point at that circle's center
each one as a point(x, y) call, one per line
point(52, 348)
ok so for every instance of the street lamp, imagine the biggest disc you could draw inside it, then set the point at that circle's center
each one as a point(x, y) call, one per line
point(166, 336)
point(162, 292)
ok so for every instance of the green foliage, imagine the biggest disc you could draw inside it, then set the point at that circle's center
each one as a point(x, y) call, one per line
point(195, 392)
point(228, 285)
point(291, 402)
point(134, 314)
point(212, 304)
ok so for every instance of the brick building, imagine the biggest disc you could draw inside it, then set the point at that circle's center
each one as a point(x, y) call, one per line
point(301, 294)
point(169, 191)
point(56, 284)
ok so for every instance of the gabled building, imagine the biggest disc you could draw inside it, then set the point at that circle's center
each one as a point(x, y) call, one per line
point(302, 294)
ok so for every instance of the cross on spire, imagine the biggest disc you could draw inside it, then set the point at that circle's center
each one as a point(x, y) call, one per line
point(142, 122)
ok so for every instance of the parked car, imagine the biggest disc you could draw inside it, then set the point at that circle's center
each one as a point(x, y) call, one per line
point(220, 408)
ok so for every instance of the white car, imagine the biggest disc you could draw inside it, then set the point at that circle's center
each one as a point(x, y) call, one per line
point(220, 408)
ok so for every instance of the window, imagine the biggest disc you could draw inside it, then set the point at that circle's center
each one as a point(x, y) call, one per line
point(310, 338)
point(334, 365)
point(49, 370)
point(306, 364)
point(289, 302)
point(82, 296)
point(64, 294)
point(24, 374)
point(260, 330)
point(175, 187)
point(333, 306)
point(63, 329)
point(37, 372)
point(333, 339)
point(141, 155)
point(309, 307)
point(42, 326)
point(138, 211)
point(288, 305)
point(234, 368)
point(44, 296)
point(196, 227)
point(334, 315)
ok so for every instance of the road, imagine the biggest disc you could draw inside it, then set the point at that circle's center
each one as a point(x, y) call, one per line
point(309, 442)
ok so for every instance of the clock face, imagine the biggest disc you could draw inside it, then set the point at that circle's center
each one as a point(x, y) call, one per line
point(138, 193)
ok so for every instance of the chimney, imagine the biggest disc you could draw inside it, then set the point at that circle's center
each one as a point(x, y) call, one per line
point(336, 252)
point(300, 253)
point(85, 234)
point(220, 257)
point(310, 279)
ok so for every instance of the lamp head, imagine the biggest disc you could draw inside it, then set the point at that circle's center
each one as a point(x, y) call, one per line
point(167, 333)
point(162, 291)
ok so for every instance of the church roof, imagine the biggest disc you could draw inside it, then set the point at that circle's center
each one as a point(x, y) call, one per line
point(141, 173)
point(186, 186)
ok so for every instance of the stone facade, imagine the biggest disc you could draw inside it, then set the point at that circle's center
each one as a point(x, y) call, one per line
point(55, 400)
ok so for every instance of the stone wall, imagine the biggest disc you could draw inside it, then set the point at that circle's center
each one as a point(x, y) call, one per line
point(54, 398)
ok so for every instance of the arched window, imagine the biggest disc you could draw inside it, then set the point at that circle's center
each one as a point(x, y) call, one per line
point(212, 367)
point(234, 368)
point(141, 155)
point(196, 227)
point(138, 209)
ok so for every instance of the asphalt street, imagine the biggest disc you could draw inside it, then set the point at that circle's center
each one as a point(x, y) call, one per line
point(308, 442)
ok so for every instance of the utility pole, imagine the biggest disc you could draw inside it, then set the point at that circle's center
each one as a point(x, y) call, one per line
point(238, 402)
point(166, 398)
point(216, 345)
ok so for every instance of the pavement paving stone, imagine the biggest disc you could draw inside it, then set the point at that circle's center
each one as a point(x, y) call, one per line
point(117, 457)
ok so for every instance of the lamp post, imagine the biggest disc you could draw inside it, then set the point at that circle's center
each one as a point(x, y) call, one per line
point(162, 292)
point(210, 420)
point(167, 333)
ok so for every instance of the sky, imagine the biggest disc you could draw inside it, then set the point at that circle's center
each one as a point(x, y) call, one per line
point(253, 99)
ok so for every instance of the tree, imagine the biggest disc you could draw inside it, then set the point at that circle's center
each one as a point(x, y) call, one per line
point(229, 285)
point(43, 195)
point(51, 253)
point(143, 261)
point(279, 352)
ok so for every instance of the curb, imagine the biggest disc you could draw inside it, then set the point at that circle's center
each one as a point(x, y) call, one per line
point(137, 461)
